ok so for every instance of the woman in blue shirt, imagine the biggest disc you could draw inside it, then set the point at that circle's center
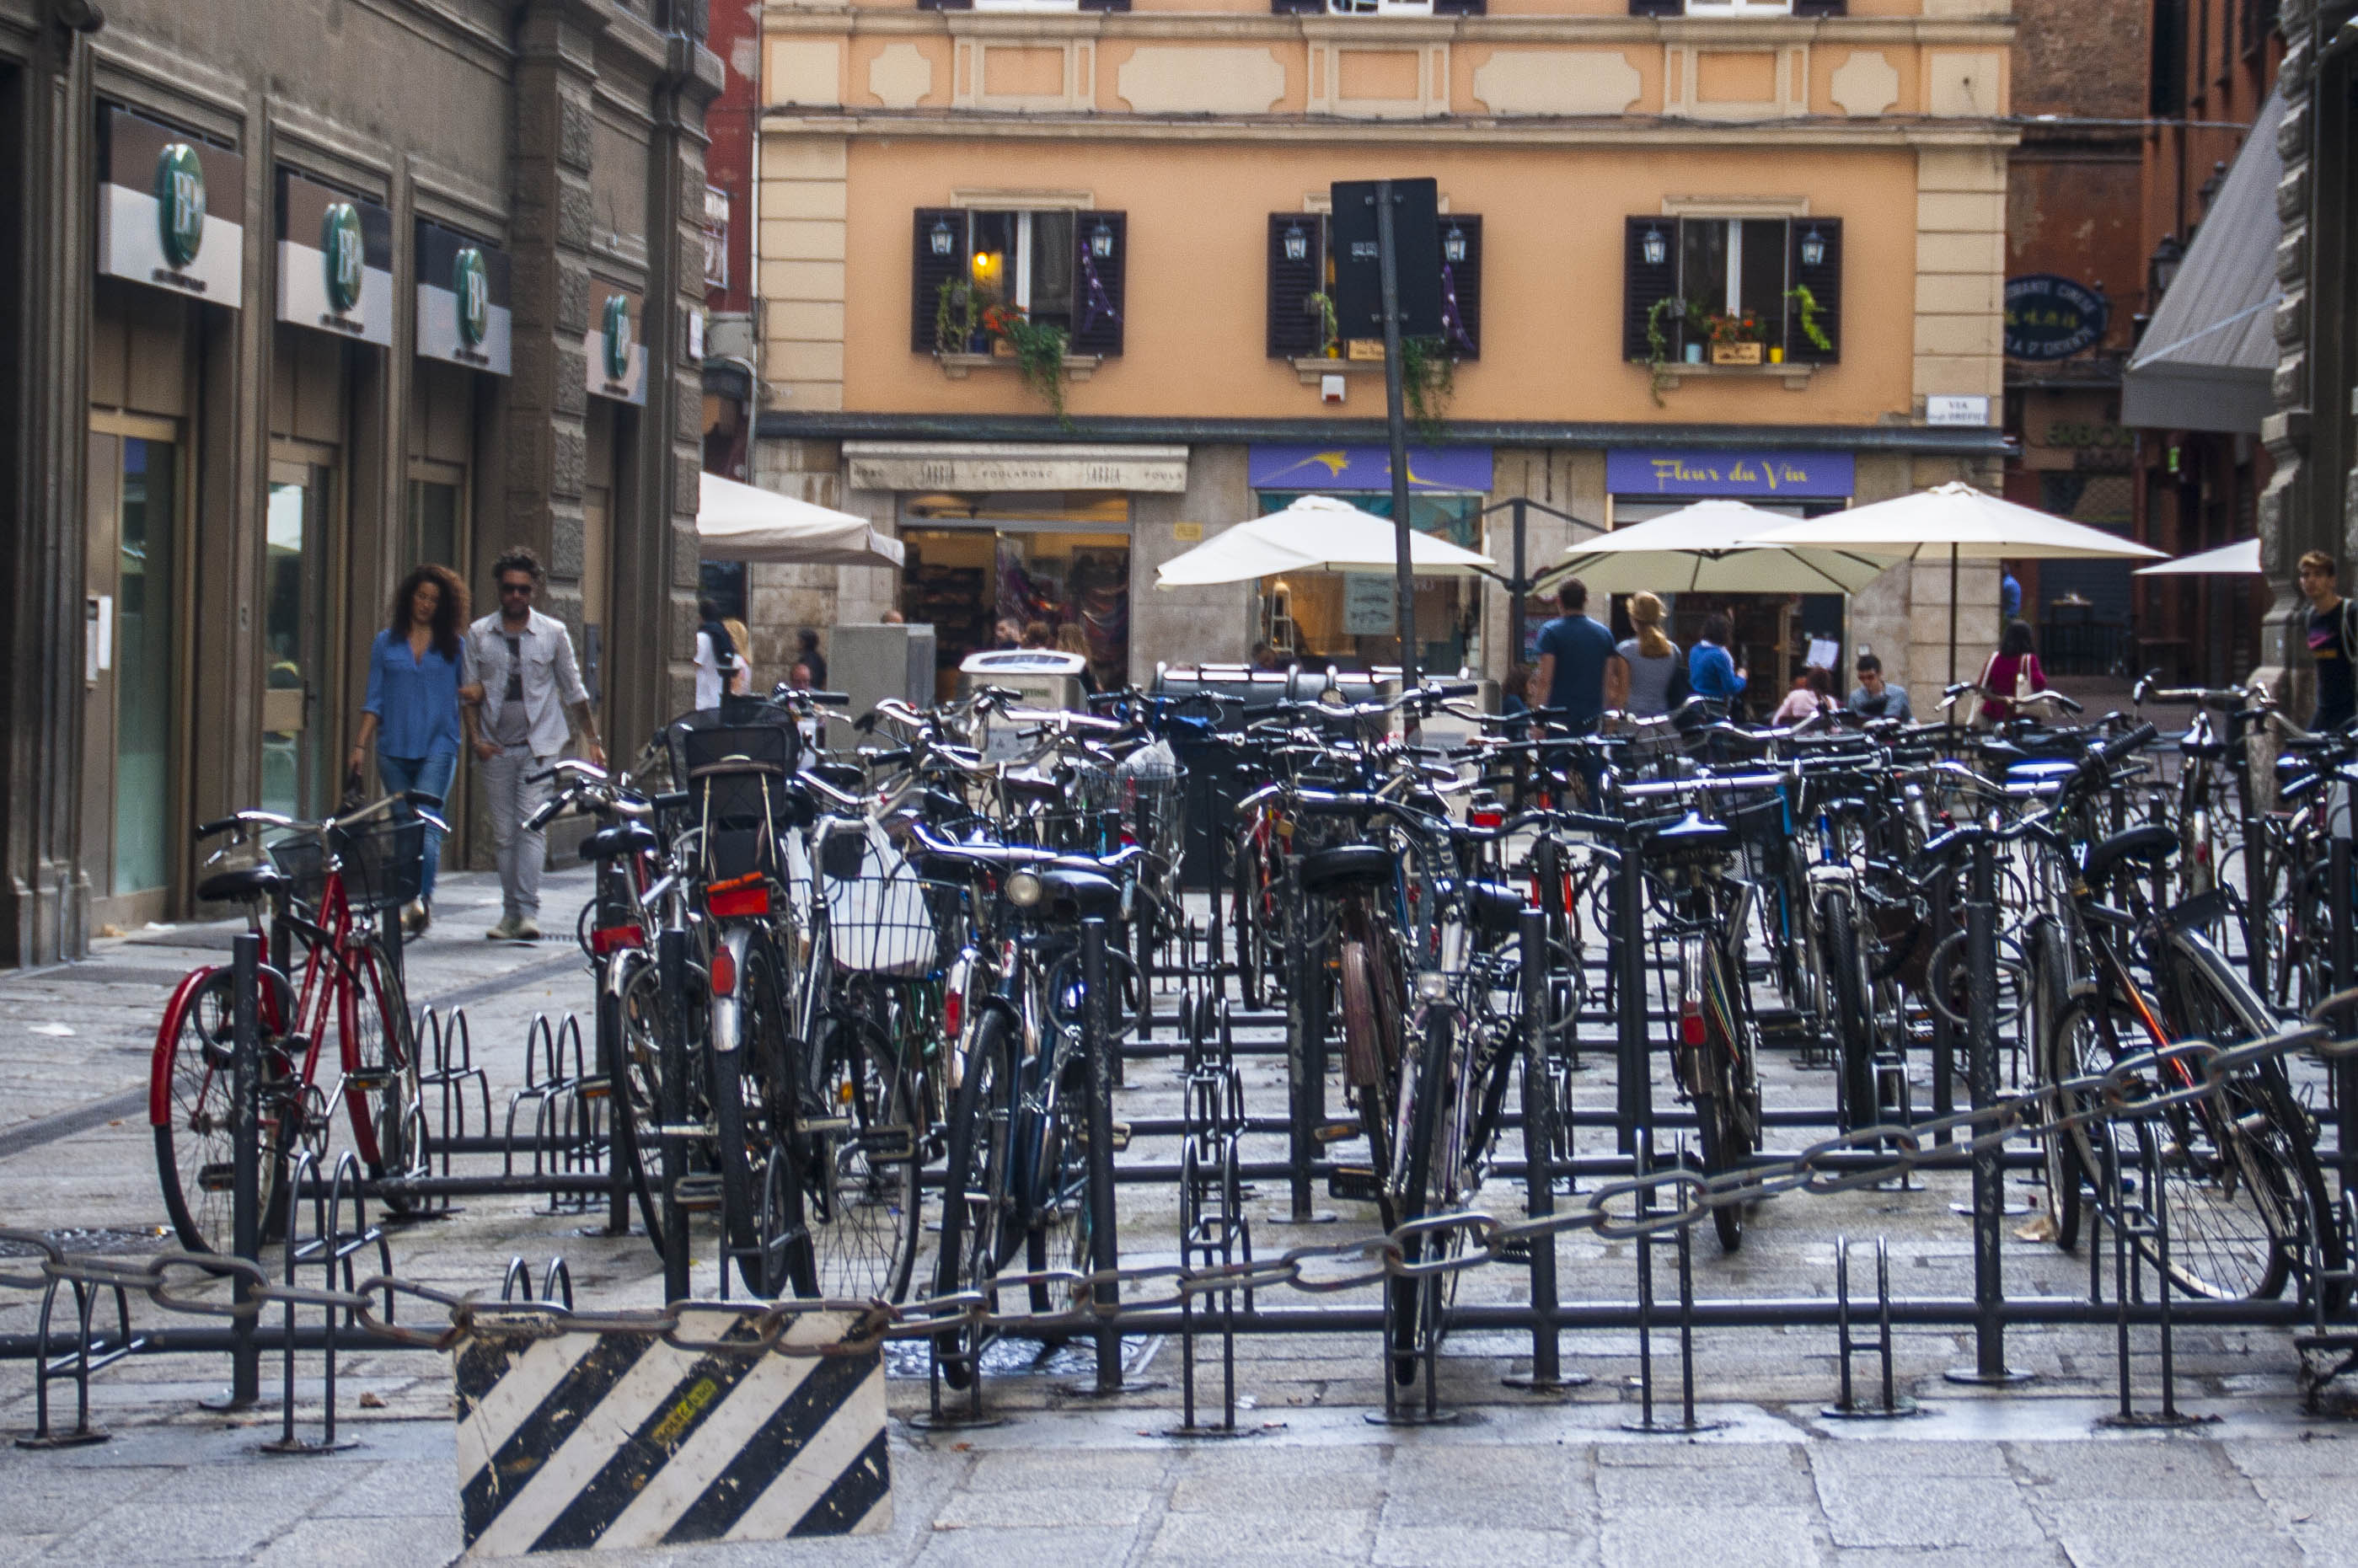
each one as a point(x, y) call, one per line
point(412, 711)
point(1710, 671)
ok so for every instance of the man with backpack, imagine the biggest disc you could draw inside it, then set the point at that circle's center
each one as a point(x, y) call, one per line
point(2332, 642)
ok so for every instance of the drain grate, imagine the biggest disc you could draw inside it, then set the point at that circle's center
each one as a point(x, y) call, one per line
point(94, 1241)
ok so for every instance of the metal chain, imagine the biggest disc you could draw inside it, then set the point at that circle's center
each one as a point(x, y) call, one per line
point(1635, 1208)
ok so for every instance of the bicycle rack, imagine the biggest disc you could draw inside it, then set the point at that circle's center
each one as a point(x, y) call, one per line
point(555, 1283)
point(1682, 1239)
point(568, 1113)
point(1214, 1228)
point(331, 1250)
point(452, 1052)
point(1847, 1405)
point(92, 1350)
point(2148, 1219)
point(2336, 1343)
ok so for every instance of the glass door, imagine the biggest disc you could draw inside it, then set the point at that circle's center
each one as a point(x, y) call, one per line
point(129, 663)
point(296, 769)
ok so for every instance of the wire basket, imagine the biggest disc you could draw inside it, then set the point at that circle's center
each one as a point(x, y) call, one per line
point(383, 864)
point(882, 917)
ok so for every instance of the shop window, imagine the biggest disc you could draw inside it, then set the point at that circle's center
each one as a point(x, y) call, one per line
point(1350, 619)
point(999, 569)
point(1300, 275)
point(1737, 7)
point(437, 516)
point(1059, 267)
point(1732, 290)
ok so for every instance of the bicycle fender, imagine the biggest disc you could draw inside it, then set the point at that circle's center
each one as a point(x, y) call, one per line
point(159, 1097)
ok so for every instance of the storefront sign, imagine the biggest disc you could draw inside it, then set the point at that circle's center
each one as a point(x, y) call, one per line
point(2051, 317)
point(1457, 469)
point(1728, 473)
point(172, 210)
point(462, 300)
point(990, 466)
point(335, 260)
point(613, 345)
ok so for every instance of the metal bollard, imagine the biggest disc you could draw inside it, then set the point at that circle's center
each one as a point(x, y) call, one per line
point(1981, 1066)
point(245, 1182)
point(1096, 1050)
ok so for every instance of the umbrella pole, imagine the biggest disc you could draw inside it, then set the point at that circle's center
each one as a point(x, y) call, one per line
point(1953, 615)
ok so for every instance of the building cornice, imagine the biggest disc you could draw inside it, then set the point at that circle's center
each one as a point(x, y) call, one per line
point(1884, 31)
point(840, 425)
point(1616, 131)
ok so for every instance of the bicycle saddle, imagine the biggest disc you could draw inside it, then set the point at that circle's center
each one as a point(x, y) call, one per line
point(1346, 866)
point(1081, 895)
point(1496, 908)
point(247, 886)
point(619, 842)
point(2152, 843)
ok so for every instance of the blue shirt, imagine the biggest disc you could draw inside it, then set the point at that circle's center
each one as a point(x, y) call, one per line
point(1582, 647)
point(1711, 672)
point(2009, 595)
point(415, 700)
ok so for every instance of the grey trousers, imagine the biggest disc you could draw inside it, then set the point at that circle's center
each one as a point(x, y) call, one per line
point(507, 779)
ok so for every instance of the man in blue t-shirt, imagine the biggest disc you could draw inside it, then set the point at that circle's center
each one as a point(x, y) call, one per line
point(1580, 672)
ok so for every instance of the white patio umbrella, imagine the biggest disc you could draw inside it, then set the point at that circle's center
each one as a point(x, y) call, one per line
point(2241, 558)
point(744, 522)
point(1712, 546)
point(1316, 533)
point(1956, 522)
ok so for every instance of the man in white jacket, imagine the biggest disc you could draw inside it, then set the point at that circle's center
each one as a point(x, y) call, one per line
point(520, 683)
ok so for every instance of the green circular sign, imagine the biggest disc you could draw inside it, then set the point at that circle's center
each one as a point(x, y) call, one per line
point(180, 202)
point(471, 282)
point(341, 255)
point(617, 338)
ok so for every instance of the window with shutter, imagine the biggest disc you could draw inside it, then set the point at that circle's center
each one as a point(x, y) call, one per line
point(1100, 250)
point(1461, 286)
point(939, 259)
point(1738, 7)
point(1377, 8)
point(1297, 270)
point(1650, 273)
point(1816, 266)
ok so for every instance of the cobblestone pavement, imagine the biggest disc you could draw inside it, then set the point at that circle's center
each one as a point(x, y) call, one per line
point(2026, 1474)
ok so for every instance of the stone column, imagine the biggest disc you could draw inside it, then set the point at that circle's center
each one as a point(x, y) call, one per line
point(47, 123)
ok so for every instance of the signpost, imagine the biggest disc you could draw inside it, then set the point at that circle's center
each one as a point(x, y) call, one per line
point(1388, 234)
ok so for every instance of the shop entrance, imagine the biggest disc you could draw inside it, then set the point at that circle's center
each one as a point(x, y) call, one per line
point(130, 671)
point(1349, 620)
point(298, 730)
point(1052, 570)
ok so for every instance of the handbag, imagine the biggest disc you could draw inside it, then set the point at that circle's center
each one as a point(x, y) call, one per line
point(1969, 709)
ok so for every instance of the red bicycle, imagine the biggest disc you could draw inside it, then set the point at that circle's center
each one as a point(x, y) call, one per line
point(322, 883)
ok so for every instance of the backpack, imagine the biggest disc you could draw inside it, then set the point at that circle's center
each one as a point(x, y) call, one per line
point(1681, 684)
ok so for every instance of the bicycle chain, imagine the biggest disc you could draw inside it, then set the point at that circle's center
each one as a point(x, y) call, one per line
point(1615, 1211)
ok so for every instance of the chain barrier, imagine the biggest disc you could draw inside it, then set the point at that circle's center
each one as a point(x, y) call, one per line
point(1621, 1210)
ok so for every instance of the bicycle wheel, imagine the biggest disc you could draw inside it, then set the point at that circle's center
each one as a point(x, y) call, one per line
point(191, 1106)
point(1721, 1098)
point(974, 1247)
point(858, 1147)
point(379, 1065)
point(1246, 919)
point(1426, 1173)
point(2054, 1058)
point(1062, 1225)
point(762, 1223)
point(1845, 995)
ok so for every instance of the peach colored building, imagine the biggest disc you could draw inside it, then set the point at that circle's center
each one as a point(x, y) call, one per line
point(1823, 193)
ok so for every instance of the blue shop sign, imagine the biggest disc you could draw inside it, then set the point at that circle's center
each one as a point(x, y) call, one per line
point(2051, 317)
point(1726, 473)
point(1335, 468)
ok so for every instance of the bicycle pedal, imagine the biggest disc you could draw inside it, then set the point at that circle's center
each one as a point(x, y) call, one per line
point(1336, 1132)
point(593, 1088)
point(1121, 1135)
point(1357, 1182)
point(218, 1177)
point(697, 1194)
point(824, 1125)
point(684, 1130)
point(371, 1080)
point(889, 1145)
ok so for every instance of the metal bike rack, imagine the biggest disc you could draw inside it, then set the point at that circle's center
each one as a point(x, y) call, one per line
point(1847, 1405)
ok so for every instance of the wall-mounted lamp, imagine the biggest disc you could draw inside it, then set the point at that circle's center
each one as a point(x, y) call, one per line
point(1452, 244)
point(1814, 248)
point(1654, 247)
point(940, 237)
point(1297, 243)
point(1101, 240)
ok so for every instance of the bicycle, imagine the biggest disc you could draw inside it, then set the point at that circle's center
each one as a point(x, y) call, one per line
point(326, 880)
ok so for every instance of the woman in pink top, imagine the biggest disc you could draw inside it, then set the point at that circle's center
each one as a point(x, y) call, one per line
point(1813, 693)
point(2012, 671)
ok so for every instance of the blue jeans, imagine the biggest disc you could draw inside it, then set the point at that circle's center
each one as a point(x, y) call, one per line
point(428, 775)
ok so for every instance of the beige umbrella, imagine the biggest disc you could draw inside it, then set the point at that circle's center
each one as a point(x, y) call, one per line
point(2241, 558)
point(1956, 522)
point(1316, 533)
point(1712, 546)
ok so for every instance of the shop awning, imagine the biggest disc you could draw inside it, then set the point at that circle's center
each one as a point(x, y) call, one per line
point(2241, 558)
point(744, 522)
point(2208, 358)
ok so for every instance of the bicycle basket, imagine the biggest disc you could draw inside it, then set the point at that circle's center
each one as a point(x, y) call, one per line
point(880, 913)
point(736, 777)
point(383, 864)
point(1153, 804)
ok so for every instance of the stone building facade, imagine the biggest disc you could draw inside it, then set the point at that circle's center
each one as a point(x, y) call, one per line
point(297, 294)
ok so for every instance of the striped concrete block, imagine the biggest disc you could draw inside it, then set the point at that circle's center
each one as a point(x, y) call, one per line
point(577, 1440)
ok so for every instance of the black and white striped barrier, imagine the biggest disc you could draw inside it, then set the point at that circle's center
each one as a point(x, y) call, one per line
point(609, 1435)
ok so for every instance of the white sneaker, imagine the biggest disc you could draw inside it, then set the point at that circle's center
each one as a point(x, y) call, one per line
point(505, 931)
point(528, 929)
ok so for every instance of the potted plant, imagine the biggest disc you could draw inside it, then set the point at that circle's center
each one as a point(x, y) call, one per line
point(1038, 351)
point(1737, 337)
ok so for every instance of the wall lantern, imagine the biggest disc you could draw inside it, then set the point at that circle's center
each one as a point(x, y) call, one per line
point(1814, 248)
point(1657, 248)
point(2162, 268)
point(1452, 244)
point(940, 237)
point(1297, 243)
point(1101, 240)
